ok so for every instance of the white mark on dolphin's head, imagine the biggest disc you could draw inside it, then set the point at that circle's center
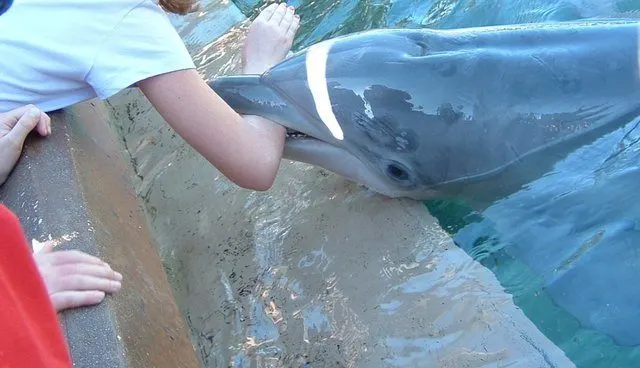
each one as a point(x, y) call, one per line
point(316, 64)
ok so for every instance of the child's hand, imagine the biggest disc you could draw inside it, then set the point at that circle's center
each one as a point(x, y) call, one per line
point(15, 125)
point(75, 279)
point(269, 38)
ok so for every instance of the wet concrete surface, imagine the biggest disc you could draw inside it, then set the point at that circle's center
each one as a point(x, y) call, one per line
point(318, 271)
point(74, 188)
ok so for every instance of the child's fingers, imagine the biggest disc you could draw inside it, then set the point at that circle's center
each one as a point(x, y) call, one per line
point(70, 256)
point(74, 299)
point(266, 14)
point(24, 126)
point(44, 125)
point(279, 14)
point(288, 17)
point(80, 282)
point(87, 269)
point(15, 114)
point(293, 27)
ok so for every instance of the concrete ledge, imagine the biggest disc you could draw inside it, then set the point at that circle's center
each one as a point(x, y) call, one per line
point(75, 186)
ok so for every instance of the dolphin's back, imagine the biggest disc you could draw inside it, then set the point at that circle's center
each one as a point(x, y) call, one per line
point(522, 98)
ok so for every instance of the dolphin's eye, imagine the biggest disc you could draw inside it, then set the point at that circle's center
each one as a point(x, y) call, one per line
point(397, 172)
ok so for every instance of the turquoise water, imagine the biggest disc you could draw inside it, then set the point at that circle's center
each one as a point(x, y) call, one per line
point(567, 246)
point(323, 19)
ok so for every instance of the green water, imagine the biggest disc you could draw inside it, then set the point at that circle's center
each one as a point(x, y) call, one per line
point(586, 208)
point(585, 347)
point(325, 19)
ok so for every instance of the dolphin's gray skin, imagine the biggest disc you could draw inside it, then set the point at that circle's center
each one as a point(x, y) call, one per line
point(473, 112)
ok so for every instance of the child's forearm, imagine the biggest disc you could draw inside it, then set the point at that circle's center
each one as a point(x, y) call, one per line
point(245, 149)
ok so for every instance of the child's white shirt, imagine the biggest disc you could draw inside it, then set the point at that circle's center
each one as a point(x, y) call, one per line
point(55, 53)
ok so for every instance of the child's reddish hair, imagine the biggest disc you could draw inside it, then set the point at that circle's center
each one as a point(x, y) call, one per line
point(179, 6)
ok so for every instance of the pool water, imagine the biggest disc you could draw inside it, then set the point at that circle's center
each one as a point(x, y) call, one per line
point(567, 246)
point(323, 19)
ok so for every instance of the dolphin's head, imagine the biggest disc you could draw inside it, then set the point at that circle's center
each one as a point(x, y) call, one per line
point(368, 148)
point(355, 110)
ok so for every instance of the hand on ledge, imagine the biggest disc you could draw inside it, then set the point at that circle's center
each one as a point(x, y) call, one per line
point(15, 126)
point(75, 279)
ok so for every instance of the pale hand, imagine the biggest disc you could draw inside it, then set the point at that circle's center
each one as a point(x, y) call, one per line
point(15, 126)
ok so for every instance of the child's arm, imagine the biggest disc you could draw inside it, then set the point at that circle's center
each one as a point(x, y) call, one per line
point(246, 149)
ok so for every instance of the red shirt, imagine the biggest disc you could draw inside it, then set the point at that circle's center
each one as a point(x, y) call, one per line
point(30, 334)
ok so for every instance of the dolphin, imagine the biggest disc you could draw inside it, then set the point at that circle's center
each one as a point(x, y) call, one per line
point(472, 112)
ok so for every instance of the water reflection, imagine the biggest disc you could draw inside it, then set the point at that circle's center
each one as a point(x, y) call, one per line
point(323, 19)
point(566, 247)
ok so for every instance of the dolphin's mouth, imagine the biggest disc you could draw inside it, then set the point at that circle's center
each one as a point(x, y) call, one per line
point(306, 148)
point(295, 134)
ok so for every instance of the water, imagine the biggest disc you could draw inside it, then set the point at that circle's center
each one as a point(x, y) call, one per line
point(325, 19)
point(319, 273)
point(566, 246)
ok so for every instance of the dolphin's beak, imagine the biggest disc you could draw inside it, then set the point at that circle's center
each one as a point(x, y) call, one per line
point(333, 158)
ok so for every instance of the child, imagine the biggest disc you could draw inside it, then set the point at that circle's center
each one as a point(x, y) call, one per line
point(89, 48)
point(59, 53)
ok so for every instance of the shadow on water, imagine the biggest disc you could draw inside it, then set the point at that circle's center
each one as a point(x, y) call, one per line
point(566, 246)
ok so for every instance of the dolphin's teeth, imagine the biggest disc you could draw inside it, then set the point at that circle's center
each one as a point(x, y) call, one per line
point(295, 134)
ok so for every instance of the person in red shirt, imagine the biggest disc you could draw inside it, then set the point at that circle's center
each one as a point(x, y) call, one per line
point(31, 335)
